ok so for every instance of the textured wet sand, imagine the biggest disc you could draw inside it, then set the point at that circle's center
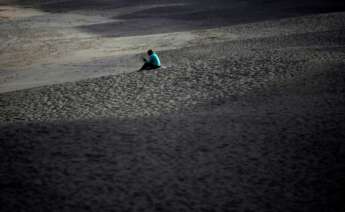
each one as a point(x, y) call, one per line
point(250, 124)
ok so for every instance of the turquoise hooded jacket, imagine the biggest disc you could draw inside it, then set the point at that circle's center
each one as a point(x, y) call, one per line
point(154, 59)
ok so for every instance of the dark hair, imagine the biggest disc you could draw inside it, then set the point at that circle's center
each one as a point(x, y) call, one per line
point(150, 52)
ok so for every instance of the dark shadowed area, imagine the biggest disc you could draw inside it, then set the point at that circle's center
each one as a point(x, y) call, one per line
point(165, 16)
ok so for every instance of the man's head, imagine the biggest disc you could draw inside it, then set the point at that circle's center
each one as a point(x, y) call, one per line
point(150, 52)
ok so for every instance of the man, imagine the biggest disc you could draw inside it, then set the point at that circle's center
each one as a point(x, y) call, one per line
point(152, 63)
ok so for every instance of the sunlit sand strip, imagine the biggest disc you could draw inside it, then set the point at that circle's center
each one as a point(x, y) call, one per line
point(12, 13)
point(112, 13)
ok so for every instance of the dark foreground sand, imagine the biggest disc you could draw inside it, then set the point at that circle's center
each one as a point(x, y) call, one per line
point(248, 125)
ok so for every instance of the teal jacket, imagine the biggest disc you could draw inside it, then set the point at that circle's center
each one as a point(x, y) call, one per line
point(154, 59)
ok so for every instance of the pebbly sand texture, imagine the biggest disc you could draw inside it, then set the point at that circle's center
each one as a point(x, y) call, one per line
point(252, 120)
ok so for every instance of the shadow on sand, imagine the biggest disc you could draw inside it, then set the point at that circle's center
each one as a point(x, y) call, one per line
point(249, 158)
point(155, 17)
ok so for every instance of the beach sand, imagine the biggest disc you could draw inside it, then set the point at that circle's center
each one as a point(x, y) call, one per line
point(244, 117)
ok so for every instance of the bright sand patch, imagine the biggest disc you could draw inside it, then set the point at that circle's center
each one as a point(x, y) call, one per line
point(13, 13)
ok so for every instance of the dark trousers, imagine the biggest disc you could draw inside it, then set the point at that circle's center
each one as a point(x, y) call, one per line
point(149, 66)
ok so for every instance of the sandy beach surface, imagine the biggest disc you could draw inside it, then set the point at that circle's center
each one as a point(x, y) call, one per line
point(246, 115)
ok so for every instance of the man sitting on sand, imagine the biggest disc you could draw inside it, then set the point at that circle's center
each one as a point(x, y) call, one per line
point(152, 63)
